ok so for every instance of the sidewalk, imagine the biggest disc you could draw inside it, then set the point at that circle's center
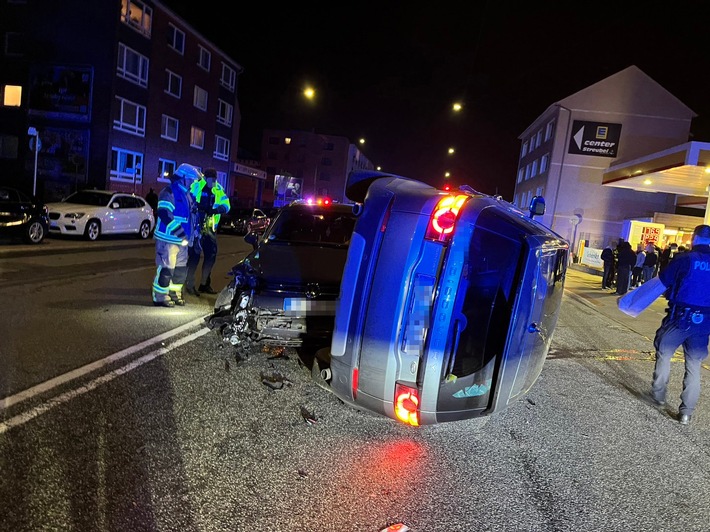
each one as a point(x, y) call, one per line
point(586, 287)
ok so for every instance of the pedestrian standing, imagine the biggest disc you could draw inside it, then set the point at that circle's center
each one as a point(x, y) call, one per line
point(608, 259)
point(152, 199)
point(650, 262)
point(626, 260)
point(174, 234)
point(637, 271)
point(212, 202)
point(687, 320)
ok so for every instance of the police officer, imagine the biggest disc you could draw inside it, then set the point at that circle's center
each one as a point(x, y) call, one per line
point(212, 202)
point(687, 322)
point(174, 234)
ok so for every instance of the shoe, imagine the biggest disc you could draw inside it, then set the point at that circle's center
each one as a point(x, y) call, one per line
point(684, 419)
point(177, 299)
point(192, 291)
point(169, 303)
point(658, 402)
point(206, 289)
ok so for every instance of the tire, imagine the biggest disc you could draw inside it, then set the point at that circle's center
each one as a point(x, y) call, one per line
point(144, 231)
point(34, 232)
point(93, 230)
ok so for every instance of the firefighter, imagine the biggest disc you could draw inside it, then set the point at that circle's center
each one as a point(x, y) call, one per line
point(175, 232)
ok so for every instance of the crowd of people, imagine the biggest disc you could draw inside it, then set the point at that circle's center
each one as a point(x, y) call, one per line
point(625, 268)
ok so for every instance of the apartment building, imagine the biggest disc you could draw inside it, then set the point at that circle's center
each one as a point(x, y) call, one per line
point(116, 94)
point(302, 164)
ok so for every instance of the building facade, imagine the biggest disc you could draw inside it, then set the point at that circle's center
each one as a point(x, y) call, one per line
point(573, 152)
point(116, 94)
point(302, 164)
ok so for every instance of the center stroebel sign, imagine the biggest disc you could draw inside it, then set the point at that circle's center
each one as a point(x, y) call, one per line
point(595, 138)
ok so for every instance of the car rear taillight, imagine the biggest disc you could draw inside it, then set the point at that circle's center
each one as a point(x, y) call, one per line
point(406, 404)
point(356, 376)
point(443, 219)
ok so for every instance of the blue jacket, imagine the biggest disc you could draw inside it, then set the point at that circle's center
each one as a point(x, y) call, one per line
point(688, 277)
point(176, 220)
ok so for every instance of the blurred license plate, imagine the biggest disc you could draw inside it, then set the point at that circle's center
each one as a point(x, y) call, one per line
point(298, 307)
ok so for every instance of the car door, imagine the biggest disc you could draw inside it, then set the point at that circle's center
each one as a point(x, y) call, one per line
point(11, 209)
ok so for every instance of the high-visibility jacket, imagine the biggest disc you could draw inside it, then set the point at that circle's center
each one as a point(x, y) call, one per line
point(213, 201)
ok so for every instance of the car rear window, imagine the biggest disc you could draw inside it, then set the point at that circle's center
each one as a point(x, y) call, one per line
point(328, 227)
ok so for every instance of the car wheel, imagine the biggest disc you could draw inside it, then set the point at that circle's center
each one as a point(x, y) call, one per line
point(144, 231)
point(34, 233)
point(93, 230)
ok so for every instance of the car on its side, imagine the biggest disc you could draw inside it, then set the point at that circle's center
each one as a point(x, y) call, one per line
point(22, 216)
point(92, 213)
point(448, 303)
point(243, 220)
point(283, 293)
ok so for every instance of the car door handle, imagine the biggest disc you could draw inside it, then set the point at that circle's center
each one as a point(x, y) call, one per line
point(533, 328)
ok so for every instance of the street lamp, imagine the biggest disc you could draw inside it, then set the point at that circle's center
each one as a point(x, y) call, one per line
point(457, 107)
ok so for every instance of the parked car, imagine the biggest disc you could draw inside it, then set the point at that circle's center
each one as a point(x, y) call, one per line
point(448, 302)
point(241, 220)
point(22, 216)
point(92, 213)
point(283, 293)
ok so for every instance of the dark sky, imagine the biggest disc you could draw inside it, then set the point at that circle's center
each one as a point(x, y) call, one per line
point(389, 72)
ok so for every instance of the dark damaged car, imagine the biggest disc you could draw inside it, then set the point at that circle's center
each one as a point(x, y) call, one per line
point(284, 292)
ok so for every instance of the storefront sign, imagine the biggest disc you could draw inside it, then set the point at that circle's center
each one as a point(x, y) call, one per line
point(595, 138)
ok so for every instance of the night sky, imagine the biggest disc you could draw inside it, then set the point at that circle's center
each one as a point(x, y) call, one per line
point(390, 72)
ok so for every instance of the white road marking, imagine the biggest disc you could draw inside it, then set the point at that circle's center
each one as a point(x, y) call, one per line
point(79, 372)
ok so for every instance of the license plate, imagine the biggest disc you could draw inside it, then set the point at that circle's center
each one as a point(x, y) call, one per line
point(300, 306)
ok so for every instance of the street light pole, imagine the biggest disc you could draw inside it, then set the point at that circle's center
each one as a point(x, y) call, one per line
point(34, 133)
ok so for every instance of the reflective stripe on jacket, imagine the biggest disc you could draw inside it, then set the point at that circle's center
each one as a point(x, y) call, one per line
point(217, 199)
point(175, 222)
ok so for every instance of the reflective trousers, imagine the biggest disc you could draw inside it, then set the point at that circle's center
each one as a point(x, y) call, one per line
point(171, 260)
point(674, 332)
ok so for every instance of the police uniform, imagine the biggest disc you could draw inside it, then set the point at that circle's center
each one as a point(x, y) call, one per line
point(212, 202)
point(174, 234)
point(687, 322)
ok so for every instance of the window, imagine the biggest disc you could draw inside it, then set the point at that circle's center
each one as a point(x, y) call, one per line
point(538, 191)
point(326, 161)
point(11, 96)
point(225, 113)
point(173, 84)
point(544, 162)
point(204, 57)
point(176, 39)
point(229, 77)
point(169, 128)
point(130, 117)
point(15, 44)
point(549, 129)
point(221, 148)
point(126, 166)
point(533, 171)
point(328, 146)
point(538, 139)
point(199, 98)
point(524, 151)
point(527, 172)
point(197, 137)
point(222, 179)
point(324, 176)
point(520, 175)
point(132, 65)
point(165, 170)
point(137, 15)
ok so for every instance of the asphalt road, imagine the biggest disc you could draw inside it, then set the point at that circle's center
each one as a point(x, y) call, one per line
point(181, 435)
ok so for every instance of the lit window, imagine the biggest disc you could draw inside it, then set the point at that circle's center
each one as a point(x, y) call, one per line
point(137, 15)
point(166, 168)
point(197, 137)
point(12, 96)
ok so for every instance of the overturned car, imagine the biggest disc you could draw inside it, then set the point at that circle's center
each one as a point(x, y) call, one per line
point(284, 292)
point(448, 302)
